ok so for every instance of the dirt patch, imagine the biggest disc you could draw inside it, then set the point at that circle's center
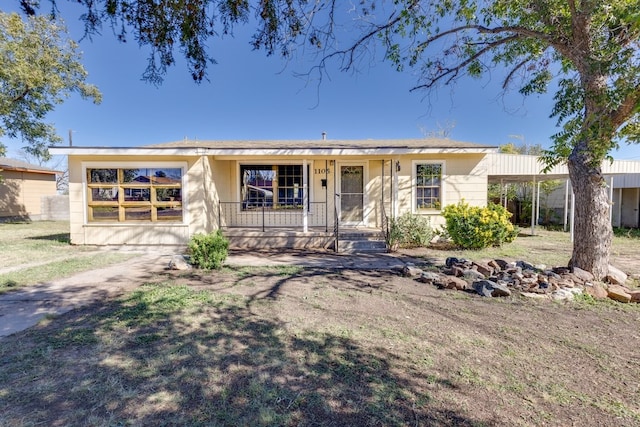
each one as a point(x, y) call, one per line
point(316, 345)
point(472, 360)
point(322, 346)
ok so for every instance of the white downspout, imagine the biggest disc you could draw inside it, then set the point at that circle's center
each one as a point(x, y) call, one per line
point(305, 197)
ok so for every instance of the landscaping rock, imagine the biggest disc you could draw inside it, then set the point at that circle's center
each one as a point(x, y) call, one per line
point(583, 275)
point(494, 265)
point(616, 276)
point(411, 270)
point(483, 269)
point(178, 262)
point(429, 277)
point(451, 261)
point(503, 264)
point(496, 278)
point(452, 282)
point(472, 275)
point(534, 295)
point(488, 288)
point(562, 295)
point(524, 265)
point(596, 290)
point(458, 271)
point(618, 293)
point(635, 296)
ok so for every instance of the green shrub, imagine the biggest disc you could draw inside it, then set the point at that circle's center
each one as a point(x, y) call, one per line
point(208, 251)
point(409, 231)
point(474, 227)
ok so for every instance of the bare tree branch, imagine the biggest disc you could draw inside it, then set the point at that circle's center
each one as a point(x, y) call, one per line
point(513, 71)
point(454, 71)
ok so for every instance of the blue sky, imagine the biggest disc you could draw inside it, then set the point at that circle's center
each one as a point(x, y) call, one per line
point(251, 96)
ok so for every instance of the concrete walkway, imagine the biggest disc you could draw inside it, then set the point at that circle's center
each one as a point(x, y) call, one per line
point(25, 307)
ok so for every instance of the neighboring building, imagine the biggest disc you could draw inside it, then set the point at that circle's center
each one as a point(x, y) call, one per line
point(622, 176)
point(265, 193)
point(22, 186)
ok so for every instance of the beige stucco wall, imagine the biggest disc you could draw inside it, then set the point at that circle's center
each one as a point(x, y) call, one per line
point(464, 177)
point(20, 193)
point(196, 205)
point(212, 185)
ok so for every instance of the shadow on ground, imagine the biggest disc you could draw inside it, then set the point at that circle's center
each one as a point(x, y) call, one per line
point(173, 355)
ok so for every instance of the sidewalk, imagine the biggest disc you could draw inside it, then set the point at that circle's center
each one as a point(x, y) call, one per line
point(24, 308)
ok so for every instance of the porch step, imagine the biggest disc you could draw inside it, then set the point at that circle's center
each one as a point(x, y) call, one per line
point(361, 242)
point(356, 246)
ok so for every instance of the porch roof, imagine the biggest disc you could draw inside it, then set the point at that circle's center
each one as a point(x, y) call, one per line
point(289, 147)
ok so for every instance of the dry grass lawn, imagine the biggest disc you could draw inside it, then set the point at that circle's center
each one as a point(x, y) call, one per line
point(297, 346)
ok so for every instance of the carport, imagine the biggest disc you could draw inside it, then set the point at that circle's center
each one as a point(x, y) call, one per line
point(505, 169)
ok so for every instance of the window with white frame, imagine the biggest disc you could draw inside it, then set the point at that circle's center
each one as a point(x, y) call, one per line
point(152, 194)
point(272, 186)
point(428, 185)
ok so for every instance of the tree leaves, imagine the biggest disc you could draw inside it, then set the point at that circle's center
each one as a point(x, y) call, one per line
point(40, 69)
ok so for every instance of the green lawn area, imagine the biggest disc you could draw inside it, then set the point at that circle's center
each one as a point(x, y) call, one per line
point(40, 251)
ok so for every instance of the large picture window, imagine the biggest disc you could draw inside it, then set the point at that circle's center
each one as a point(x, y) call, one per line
point(428, 179)
point(134, 194)
point(272, 186)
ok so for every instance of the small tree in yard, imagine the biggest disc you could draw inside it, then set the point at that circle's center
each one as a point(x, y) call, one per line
point(208, 251)
point(589, 48)
point(40, 69)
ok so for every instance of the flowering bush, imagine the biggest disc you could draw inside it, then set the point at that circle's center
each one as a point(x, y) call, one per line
point(474, 227)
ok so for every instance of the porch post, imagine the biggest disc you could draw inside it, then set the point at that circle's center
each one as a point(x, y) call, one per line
point(383, 215)
point(395, 189)
point(392, 198)
point(620, 207)
point(611, 199)
point(573, 210)
point(533, 207)
point(538, 203)
point(305, 197)
point(566, 205)
point(505, 188)
point(326, 196)
point(636, 204)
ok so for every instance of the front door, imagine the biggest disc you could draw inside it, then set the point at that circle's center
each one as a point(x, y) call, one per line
point(351, 194)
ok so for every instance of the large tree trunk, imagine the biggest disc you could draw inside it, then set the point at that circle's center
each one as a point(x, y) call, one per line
point(592, 233)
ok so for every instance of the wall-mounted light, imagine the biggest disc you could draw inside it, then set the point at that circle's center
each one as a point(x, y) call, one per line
point(398, 166)
point(330, 162)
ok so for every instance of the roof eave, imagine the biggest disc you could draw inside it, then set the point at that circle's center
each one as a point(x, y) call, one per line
point(201, 151)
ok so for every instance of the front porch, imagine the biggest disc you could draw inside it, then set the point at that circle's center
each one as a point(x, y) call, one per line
point(348, 239)
point(265, 227)
point(263, 217)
